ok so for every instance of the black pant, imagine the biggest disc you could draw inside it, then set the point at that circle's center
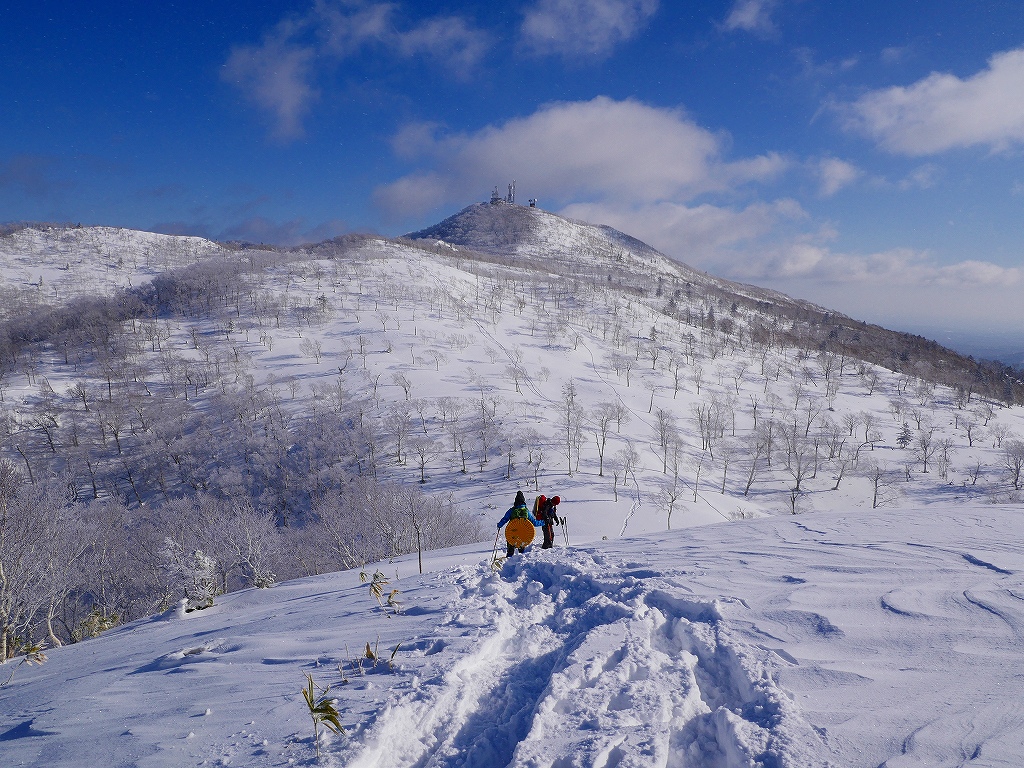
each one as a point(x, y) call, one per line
point(549, 536)
point(510, 550)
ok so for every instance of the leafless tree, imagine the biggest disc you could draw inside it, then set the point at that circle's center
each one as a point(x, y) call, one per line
point(999, 433)
point(426, 449)
point(665, 429)
point(669, 491)
point(402, 381)
point(883, 483)
point(601, 424)
point(570, 422)
point(627, 460)
point(1013, 461)
point(925, 446)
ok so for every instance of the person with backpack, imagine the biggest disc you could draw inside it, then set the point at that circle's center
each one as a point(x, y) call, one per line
point(548, 516)
point(518, 511)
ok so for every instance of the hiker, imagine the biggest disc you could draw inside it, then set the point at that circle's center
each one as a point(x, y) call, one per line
point(518, 511)
point(548, 515)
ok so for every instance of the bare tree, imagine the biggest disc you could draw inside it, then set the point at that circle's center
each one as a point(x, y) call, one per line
point(925, 446)
point(665, 430)
point(426, 449)
point(727, 451)
point(398, 425)
point(402, 381)
point(883, 481)
point(601, 424)
point(999, 433)
point(1013, 461)
point(570, 422)
point(970, 427)
point(800, 457)
point(669, 491)
point(627, 460)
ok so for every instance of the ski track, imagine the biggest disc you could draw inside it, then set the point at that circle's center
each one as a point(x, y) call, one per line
point(572, 670)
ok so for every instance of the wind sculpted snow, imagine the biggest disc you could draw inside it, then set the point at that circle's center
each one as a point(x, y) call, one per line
point(837, 639)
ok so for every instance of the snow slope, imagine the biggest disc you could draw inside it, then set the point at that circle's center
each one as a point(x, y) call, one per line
point(49, 265)
point(844, 639)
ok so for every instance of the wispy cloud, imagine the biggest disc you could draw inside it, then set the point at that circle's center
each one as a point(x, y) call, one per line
point(279, 75)
point(276, 77)
point(802, 257)
point(898, 287)
point(583, 27)
point(703, 235)
point(943, 112)
point(595, 150)
point(753, 16)
point(835, 174)
point(922, 177)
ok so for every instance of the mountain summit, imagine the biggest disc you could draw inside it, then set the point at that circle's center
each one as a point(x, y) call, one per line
point(515, 230)
point(536, 238)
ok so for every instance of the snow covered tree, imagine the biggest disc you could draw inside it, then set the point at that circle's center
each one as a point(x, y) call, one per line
point(195, 572)
point(905, 437)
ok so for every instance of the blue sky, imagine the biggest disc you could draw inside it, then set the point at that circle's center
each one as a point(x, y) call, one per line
point(864, 155)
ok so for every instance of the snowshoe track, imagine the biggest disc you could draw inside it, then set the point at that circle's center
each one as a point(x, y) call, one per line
point(569, 669)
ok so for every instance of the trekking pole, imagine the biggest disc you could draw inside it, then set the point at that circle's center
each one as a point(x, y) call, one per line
point(494, 549)
point(565, 532)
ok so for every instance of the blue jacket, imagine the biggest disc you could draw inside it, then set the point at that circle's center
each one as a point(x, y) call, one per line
point(508, 516)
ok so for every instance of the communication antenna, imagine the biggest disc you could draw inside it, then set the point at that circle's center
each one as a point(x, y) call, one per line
point(511, 199)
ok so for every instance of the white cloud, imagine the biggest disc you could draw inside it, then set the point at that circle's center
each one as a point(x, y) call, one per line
point(447, 39)
point(702, 235)
point(571, 151)
point(278, 75)
point(943, 112)
point(804, 257)
point(835, 174)
point(275, 76)
point(922, 177)
point(754, 16)
point(583, 27)
point(902, 288)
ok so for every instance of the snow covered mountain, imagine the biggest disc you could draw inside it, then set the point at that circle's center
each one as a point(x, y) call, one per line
point(544, 240)
point(266, 413)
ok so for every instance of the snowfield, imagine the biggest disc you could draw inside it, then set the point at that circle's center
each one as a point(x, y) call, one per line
point(49, 265)
point(844, 639)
